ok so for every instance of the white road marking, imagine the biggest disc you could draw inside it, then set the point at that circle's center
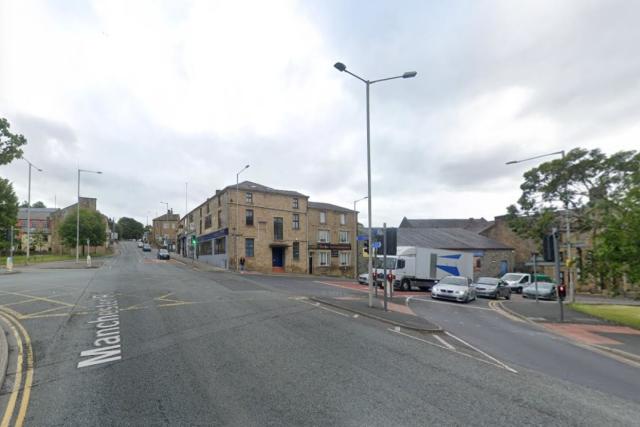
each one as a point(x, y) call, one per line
point(317, 304)
point(446, 344)
point(505, 366)
point(498, 365)
point(448, 303)
point(355, 316)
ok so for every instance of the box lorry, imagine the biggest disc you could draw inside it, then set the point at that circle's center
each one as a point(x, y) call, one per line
point(421, 267)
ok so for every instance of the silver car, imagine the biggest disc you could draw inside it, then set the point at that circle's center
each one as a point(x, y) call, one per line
point(456, 288)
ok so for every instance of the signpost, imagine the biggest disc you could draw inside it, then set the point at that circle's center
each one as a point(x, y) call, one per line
point(557, 260)
point(384, 263)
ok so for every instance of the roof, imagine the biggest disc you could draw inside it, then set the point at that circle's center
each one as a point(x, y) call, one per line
point(168, 217)
point(254, 186)
point(472, 224)
point(446, 238)
point(36, 213)
point(327, 206)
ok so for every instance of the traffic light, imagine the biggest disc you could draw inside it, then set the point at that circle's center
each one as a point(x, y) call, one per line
point(547, 248)
point(562, 291)
point(194, 241)
point(365, 250)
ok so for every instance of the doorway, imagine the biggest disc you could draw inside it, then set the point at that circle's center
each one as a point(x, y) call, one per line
point(278, 257)
point(310, 264)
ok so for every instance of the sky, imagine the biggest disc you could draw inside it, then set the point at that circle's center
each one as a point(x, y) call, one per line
point(159, 94)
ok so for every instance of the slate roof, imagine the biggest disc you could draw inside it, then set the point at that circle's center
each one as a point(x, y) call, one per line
point(446, 238)
point(168, 217)
point(327, 206)
point(254, 186)
point(472, 224)
point(36, 213)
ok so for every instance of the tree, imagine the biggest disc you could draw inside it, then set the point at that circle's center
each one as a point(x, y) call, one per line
point(38, 204)
point(593, 187)
point(24, 204)
point(92, 227)
point(129, 228)
point(38, 240)
point(9, 143)
point(8, 207)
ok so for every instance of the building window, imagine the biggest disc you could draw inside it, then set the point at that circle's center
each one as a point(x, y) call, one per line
point(200, 229)
point(219, 246)
point(219, 200)
point(278, 231)
point(478, 263)
point(344, 258)
point(296, 251)
point(296, 221)
point(343, 219)
point(165, 225)
point(204, 248)
point(248, 197)
point(248, 247)
point(249, 217)
point(324, 257)
point(344, 237)
point(219, 218)
point(323, 217)
point(295, 203)
point(208, 208)
point(323, 236)
point(207, 221)
point(190, 217)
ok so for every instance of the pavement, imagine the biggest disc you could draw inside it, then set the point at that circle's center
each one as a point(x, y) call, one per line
point(191, 347)
point(578, 327)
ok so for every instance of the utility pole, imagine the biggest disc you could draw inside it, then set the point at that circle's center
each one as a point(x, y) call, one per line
point(535, 273)
point(556, 255)
point(31, 165)
point(384, 262)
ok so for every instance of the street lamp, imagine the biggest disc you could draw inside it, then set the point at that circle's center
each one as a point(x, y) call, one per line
point(78, 213)
point(235, 238)
point(31, 165)
point(566, 216)
point(407, 75)
point(356, 236)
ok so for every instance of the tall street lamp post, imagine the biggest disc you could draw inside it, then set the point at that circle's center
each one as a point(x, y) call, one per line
point(31, 165)
point(566, 217)
point(409, 74)
point(235, 238)
point(78, 213)
point(356, 236)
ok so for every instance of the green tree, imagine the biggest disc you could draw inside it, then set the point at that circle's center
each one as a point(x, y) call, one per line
point(8, 210)
point(38, 240)
point(38, 204)
point(129, 228)
point(9, 143)
point(92, 227)
point(593, 186)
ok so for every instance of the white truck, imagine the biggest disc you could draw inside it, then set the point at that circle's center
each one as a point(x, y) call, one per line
point(421, 267)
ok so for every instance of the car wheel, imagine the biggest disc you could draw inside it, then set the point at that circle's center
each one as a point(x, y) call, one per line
point(508, 295)
point(405, 285)
point(524, 296)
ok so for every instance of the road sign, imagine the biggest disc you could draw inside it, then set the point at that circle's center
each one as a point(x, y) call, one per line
point(377, 245)
point(361, 238)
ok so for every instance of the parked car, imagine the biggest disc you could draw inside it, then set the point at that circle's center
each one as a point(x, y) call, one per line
point(546, 290)
point(518, 281)
point(457, 288)
point(163, 254)
point(140, 244)
point(492, 288)
point(146, 247)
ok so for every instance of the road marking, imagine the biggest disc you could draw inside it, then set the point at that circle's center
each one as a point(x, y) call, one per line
point(317, 305)
point(28, 381)
point(107, 332)
point(52, 301)
point(449, 303)
point(446, 344)
point(501, 366)
point(498, 308)
point(505, 366)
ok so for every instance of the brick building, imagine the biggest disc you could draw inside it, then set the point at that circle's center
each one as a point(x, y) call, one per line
point(275, 230)
point(40, 226)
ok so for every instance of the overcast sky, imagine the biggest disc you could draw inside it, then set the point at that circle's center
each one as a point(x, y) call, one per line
point(159, 93)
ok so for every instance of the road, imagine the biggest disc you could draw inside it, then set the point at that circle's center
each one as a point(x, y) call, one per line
point(216, 348)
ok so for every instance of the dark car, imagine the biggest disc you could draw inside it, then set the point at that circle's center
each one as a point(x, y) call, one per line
point(545, 290)
point(146, 247)
point(163, 254)
point(492, 288)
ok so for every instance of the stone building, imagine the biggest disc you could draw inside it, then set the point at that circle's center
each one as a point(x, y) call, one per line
point(165, 228)
point(332, 240)
point(273, 231)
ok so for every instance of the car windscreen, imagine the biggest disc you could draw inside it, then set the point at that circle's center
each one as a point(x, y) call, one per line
point(511, 277)
point(488, 281)
point(456, 281)
point(391, 263)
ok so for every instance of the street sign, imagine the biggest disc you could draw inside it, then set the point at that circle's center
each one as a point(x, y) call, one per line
point(361, 238)
point(376, 245)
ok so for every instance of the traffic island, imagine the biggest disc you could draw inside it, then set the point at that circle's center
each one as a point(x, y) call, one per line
point(397, 314)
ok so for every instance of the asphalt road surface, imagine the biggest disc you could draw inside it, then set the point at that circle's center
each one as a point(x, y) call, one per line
point(147, 342)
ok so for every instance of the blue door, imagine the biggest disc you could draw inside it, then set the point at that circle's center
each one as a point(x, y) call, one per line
point(504, 266)
point(278, 257)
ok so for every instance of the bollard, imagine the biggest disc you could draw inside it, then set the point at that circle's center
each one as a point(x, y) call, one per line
point(10, 263)
point(88, 261)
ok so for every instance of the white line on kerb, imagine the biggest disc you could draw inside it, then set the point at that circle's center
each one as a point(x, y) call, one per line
point(449, 346)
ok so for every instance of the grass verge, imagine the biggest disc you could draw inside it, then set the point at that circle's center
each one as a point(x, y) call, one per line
point(628, 315)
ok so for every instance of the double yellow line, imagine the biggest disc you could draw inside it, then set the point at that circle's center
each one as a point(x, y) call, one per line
point(24, 371)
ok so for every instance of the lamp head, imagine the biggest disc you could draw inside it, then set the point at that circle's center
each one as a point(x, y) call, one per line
point(409, 74)
point(340, 66)
point(511, 162)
